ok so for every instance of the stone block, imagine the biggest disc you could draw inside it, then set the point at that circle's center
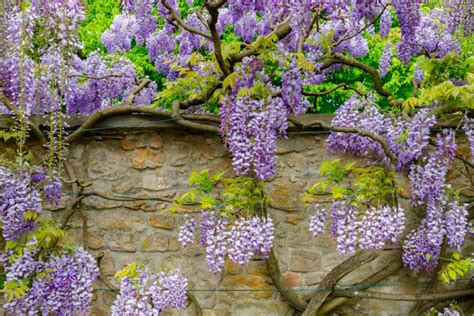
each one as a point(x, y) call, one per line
point(123, 241)
point(304, 261)
point(107, 265)
point(155, 242)
point(94, 240)
point(292, 278)
point(161, 221)
point(248, 281)
point(117, 220)
point(147, 158)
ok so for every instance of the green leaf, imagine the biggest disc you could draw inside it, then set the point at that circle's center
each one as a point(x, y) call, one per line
point(230, 80)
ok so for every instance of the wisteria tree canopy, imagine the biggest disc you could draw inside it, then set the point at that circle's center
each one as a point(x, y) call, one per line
point(392, 72)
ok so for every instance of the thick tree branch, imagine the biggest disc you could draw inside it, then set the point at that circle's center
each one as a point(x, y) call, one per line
point(349, 61)
point(203, 99)
point(197, 307)
point(213, 10)
point(132, 95)
point(175, 17)
point(385, 272)
point(355, 130)
point(407, 297)
point(114, 75)
point(331, 279)
point(288, 294)
point(123, 199)
point(343, 85)
point(121, 110)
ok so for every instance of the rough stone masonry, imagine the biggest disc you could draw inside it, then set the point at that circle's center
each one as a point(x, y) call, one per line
point(146, 163)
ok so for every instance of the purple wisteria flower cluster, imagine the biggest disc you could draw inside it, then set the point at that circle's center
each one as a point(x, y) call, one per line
point(18, 196)
point(87, 85)
point(407, 140)
point(150, 294)
point(372, 230)
point(251, 127)
point(62, 285)
point(241, 240)
point(56, 282)
point(426, 169)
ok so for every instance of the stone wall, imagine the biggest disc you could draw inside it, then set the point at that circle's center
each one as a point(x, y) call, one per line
point(149, 163)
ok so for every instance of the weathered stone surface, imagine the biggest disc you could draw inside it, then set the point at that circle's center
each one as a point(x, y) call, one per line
point(116, 220)
point(155, 242)
point(94, 241)
point(242, 281)
point(304, 261)
point(130, 142)
point(292, 278)
point(147, 158)
point(123, 241)
point(232, 268)
point(156, 182)
point(295, 219)
point(161, 221)
point(286, 195)
point(139, 231)
point(107, 265)
point(155, 141)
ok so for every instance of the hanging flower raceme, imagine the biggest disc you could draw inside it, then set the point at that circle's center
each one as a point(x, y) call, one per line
point(18, 198)
point(240, 240)
point(62, 285)
point(147, 294)
point(372, 230)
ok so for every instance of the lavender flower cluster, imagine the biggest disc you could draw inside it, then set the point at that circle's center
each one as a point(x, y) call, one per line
point(407, 140)
point(241, 240)
point(251, 127)
point(426, 169)
point(62, 285)
point(430, 34)
point(373, 230)
point(149, 294)
point(18, 196)
point(86, 85)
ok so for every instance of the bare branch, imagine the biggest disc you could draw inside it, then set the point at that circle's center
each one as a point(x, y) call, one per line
point(212, 8)
point(342, 39)
point(114, 75)
point(349, 61)
point(331, 279)
point(197, 101)
point(76, 199)
point(288, 294)
point(302, 39)
point(407, 297)
point(124, 199)
point(131, 97)
point(385, 272)
point(175, 17)
point(343, 85)
point(197, 307)
point(102, 277)
point(356, 130)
